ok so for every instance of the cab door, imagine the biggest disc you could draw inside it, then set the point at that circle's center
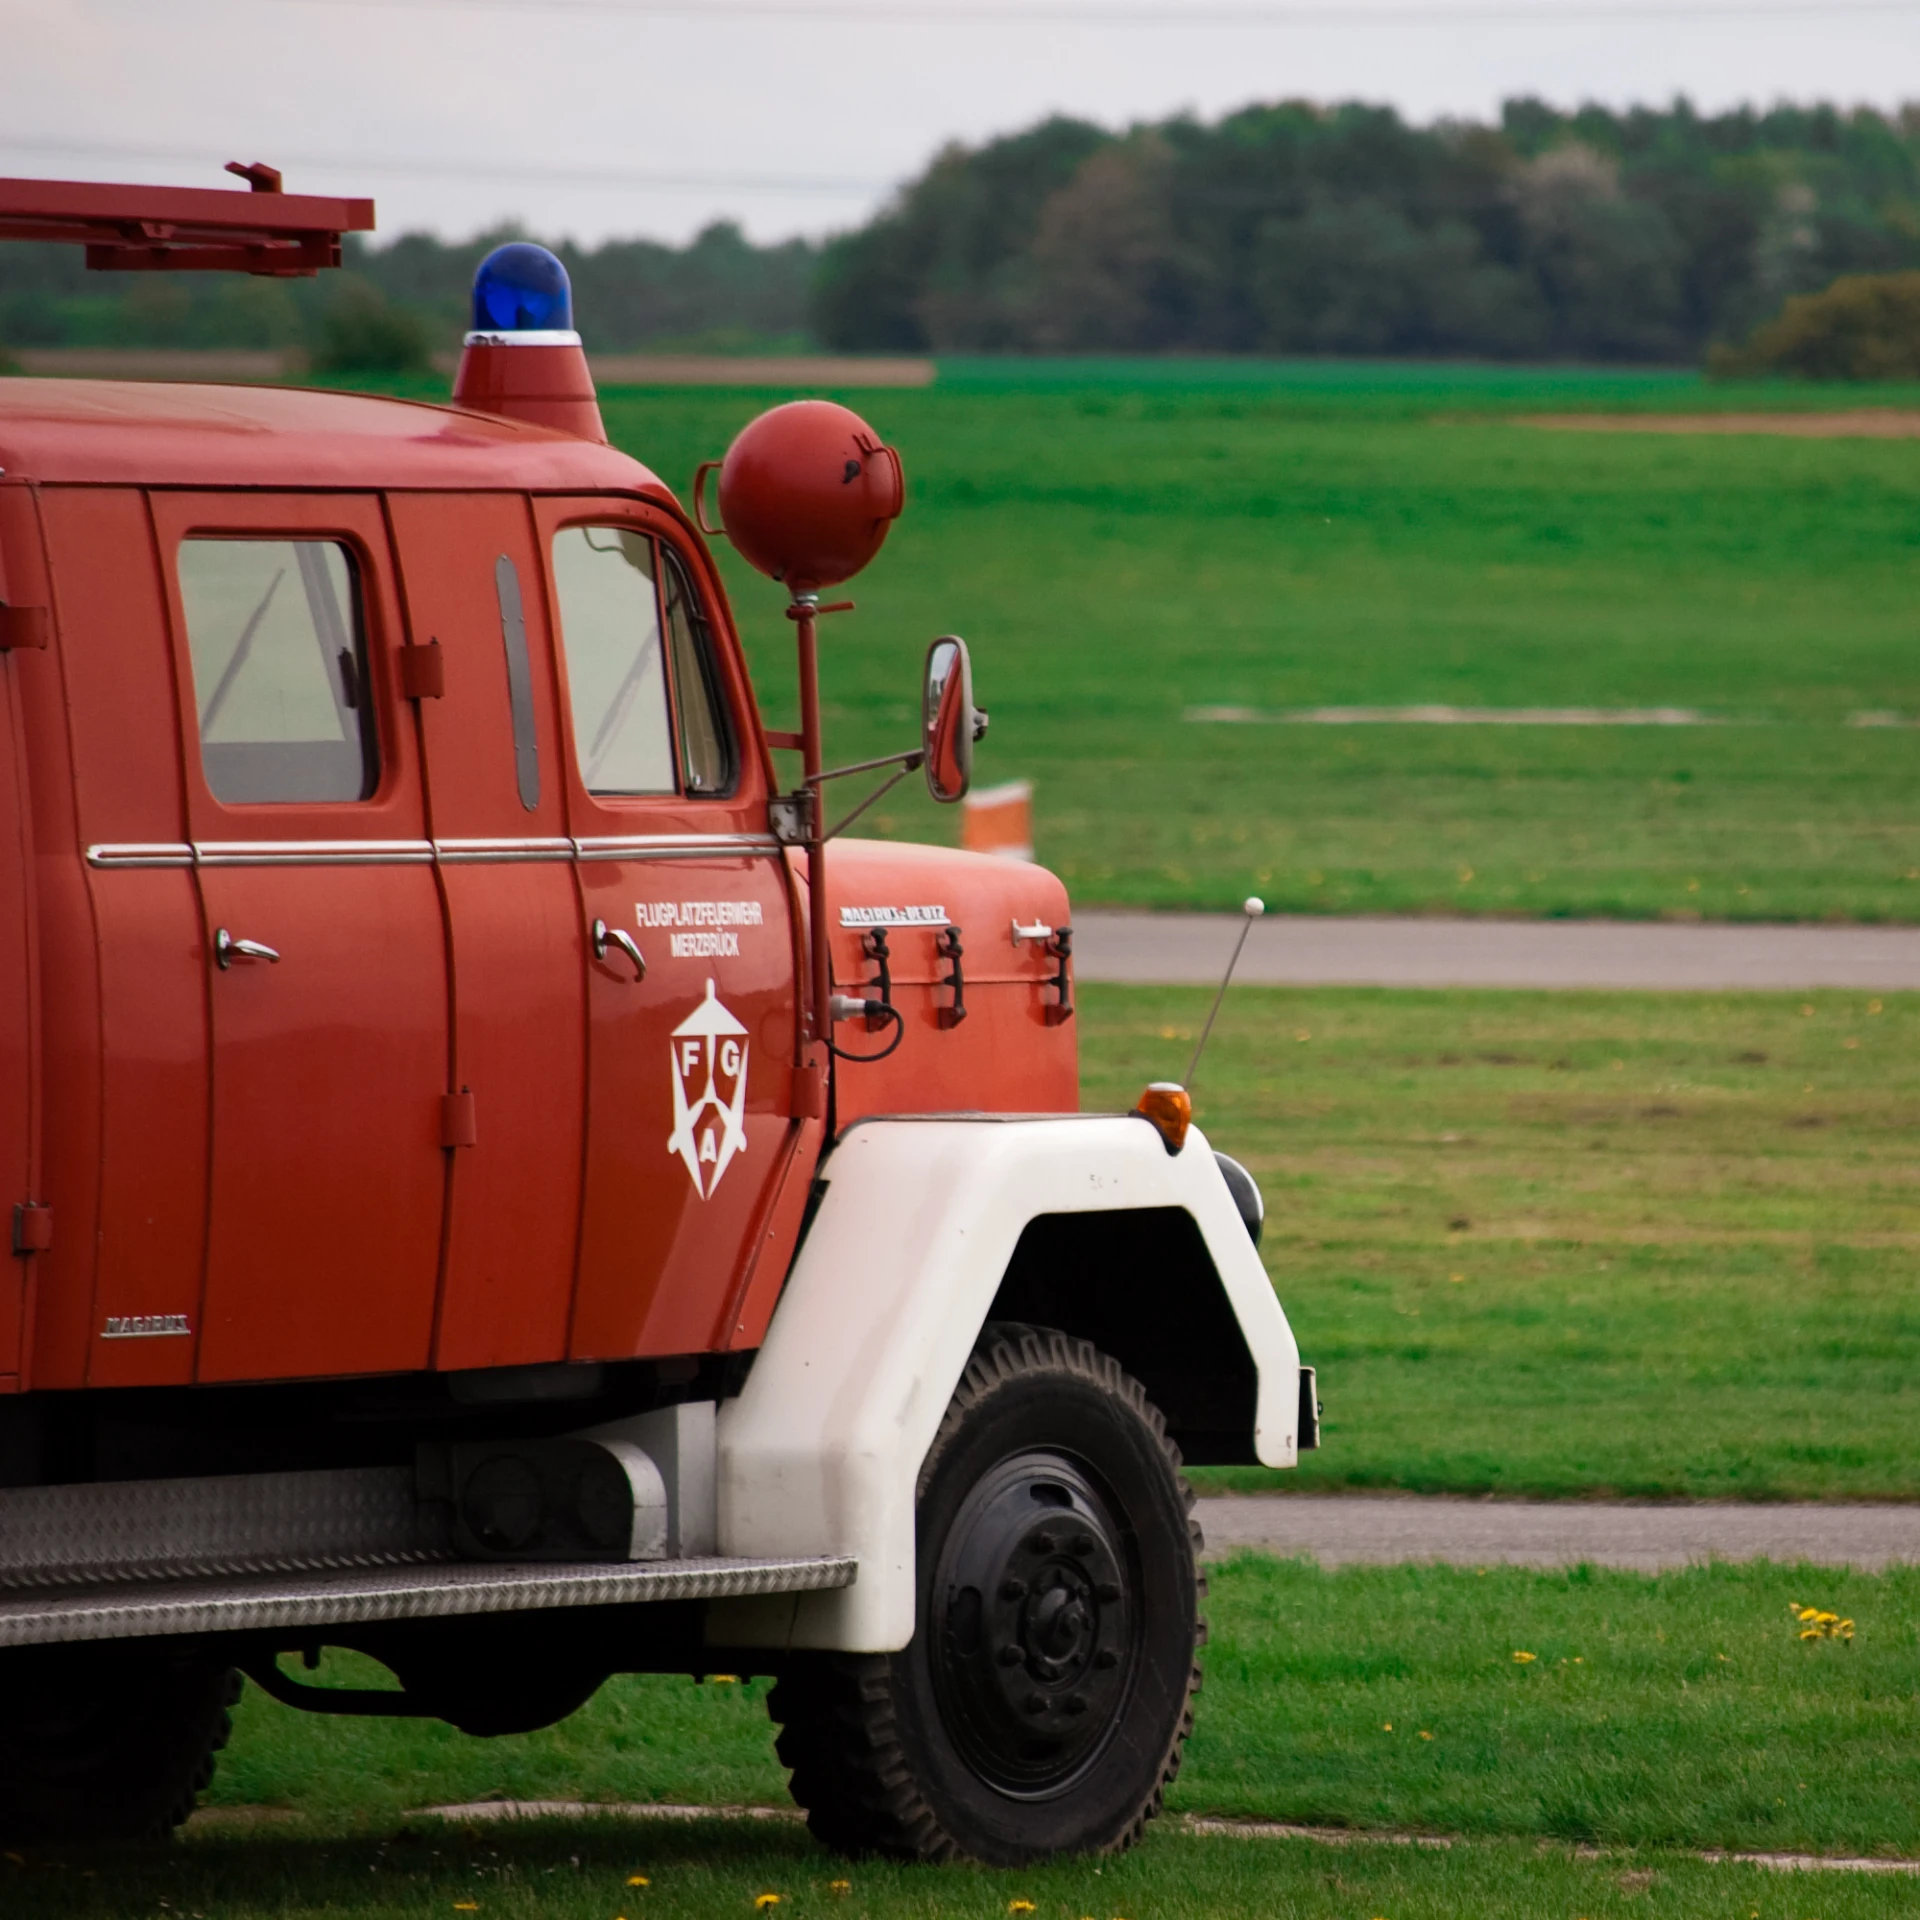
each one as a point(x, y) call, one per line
point(688, 930)
point(496, 804)
point(324, 937)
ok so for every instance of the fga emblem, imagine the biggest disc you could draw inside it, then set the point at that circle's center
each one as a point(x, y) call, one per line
point(710, 1126)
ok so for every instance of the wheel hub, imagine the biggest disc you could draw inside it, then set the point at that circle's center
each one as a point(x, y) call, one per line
point(1036, 1623)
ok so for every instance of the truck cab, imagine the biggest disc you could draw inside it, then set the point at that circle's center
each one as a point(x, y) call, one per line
point(497, 1181)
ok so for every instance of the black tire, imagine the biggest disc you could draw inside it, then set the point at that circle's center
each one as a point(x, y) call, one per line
point(1041, 1706)
point(101, 1744)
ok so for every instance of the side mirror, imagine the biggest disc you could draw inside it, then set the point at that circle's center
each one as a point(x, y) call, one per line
point(951, 722)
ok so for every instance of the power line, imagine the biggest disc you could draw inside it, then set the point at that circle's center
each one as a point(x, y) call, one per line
point(489, 170)
point(973, 13)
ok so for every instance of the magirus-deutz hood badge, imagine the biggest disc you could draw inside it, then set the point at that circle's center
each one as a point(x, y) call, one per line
point(710, 1053)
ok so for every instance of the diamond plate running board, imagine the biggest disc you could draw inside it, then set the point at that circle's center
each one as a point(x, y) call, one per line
point(253, 1603)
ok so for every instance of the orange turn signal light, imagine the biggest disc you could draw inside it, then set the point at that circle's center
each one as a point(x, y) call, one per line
point(1169, 1106)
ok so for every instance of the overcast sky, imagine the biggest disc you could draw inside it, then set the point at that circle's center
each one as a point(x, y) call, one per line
point(589, 118)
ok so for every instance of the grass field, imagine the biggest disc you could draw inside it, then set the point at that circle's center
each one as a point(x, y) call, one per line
point(1573, 1244)
point(1656, 1716)
point(1118, 554)
point(1666, 1713)
point(714, 1870)
point(1121, 541)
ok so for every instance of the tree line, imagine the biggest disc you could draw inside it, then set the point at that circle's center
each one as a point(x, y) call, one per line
point(1646, 235)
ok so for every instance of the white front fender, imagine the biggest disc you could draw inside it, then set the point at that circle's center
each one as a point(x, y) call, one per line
point(822, 1450)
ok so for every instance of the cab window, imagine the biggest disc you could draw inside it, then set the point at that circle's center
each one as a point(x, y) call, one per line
point(648, 716)
point(616, 665)
point(278, 647)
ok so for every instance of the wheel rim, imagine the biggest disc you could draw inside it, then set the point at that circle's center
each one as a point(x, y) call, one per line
point(1036, 1626)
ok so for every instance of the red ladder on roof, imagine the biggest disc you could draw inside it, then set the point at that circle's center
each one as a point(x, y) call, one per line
point(176, 229)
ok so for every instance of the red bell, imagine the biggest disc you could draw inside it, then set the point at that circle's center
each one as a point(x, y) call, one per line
point(807, 493)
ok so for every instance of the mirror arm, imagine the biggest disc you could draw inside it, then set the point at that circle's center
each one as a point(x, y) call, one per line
point(886, 786)
point(907, 763)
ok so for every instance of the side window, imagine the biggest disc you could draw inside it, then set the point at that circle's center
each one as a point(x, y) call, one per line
point(616, 666)
point(278, 646)
point(707, 755)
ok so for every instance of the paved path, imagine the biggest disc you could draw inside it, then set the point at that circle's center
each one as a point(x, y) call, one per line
point(1381, 951)
point(1336, 1529)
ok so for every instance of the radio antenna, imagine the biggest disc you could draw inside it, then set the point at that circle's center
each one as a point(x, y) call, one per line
point(1251, 909)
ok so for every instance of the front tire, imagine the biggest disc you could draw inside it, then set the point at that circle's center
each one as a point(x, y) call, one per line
point(1042, 1703)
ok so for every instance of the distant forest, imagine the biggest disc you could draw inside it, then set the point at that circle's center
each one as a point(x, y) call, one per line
point(1288, 229)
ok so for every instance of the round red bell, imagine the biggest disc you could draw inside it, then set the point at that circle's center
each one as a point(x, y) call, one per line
point(807, 493)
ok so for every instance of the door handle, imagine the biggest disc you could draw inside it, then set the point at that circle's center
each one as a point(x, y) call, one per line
point(226, 950)
point(605, 936)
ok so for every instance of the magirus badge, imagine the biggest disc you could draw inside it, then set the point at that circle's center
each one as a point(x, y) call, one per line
point(710, 1125)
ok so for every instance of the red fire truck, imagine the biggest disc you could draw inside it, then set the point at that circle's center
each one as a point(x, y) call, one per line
point(499, 1181)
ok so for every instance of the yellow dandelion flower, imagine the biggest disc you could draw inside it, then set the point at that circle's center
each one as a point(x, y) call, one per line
point(1386, 1726)
point(1424, 1734)
point(466, 1906)
point(1019, 1906)
point(638, 1880)
point(839, 1886)
point(766, 1899)
point(723, 1679)
point(1524, 1659)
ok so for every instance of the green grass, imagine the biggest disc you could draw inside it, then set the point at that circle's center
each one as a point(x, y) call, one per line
point(712, 1871)
point(1122, 540)
point(1119, 555)
point(1573, 1244)
point(1675, 1712)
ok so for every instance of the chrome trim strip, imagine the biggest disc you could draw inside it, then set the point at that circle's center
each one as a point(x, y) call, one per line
point(461, 853)
point(672, 846)
point(651, 842)
point(389, 853)
point(162, 853)
point(313, 853)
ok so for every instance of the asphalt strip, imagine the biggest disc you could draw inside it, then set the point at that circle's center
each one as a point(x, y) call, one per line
point(1642, 1537)
point(497, 1812)
point(1362, 950)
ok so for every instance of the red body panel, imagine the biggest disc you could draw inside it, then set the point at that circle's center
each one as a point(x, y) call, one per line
point(135, 433)
point(60, 1300)
point(664, 1232)
point(513, 920)
point(266, 1152)
point(328, 1178)
point(148, 1237)
point(1006, 1056)
point(19, 1066)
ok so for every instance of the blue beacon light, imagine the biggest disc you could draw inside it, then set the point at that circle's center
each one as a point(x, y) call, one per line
point(522, 297)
